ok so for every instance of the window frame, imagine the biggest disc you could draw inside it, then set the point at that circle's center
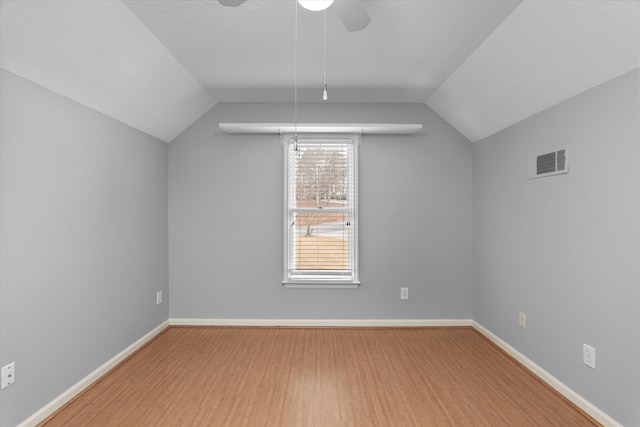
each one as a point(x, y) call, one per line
point(311, 281)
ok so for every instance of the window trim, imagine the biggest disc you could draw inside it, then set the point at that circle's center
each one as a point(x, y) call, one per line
point(287, 140)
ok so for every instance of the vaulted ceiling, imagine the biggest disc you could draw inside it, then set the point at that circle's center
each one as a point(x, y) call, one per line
point(158, 65)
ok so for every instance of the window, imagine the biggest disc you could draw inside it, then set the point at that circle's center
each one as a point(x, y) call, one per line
point(321, 210)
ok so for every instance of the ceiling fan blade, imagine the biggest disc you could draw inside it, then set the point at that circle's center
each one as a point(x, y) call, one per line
point(231, 3)
point(352, 13)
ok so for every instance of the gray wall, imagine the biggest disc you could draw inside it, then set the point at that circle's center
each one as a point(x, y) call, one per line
point(565, 249)
point(225, 219)
point(83, 241)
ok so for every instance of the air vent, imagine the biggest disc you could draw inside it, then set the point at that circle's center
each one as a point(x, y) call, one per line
point(549, 164)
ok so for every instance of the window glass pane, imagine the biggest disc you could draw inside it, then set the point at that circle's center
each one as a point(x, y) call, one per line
point(320, 241)
point(321, 175)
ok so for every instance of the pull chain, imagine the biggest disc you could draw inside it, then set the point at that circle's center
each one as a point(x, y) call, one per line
point(325, 95)
point(295, 81)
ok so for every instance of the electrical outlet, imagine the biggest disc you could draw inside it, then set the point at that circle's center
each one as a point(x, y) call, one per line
point(404, 293)
point(589, 356)
point(8, 375)
point(522, 320)
point(158, 297)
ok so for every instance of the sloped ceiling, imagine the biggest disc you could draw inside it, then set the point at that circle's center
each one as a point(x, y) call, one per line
point(543, 53)
point(100, 55)
point(158, 65)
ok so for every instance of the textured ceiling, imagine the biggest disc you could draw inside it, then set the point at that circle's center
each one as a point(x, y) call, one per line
point(158, 65)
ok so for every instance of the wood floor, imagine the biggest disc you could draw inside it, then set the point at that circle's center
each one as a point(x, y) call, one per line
point(319, 377)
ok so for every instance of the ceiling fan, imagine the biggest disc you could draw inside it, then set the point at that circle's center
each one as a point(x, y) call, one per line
point(351, 12)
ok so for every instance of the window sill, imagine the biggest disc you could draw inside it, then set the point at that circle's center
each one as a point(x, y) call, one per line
point(322, 285)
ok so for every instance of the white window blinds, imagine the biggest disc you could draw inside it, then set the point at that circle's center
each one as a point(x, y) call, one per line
point(320, 209)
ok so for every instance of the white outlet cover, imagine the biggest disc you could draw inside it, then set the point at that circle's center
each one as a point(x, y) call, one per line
point(404, 293)
point(158, 297)
point(589, 356)
point(8, 374)
point(522, 320)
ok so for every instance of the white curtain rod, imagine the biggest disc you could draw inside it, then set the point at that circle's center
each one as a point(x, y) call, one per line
point(361, 128)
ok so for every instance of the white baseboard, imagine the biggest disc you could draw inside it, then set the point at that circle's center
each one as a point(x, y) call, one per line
point(74, 390)
point(545, 376)
point(321, 322)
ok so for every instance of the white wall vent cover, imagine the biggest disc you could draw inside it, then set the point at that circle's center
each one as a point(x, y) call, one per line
point(549, 164)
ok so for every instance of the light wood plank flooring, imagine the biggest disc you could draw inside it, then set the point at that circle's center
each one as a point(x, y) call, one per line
point(319, 377)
